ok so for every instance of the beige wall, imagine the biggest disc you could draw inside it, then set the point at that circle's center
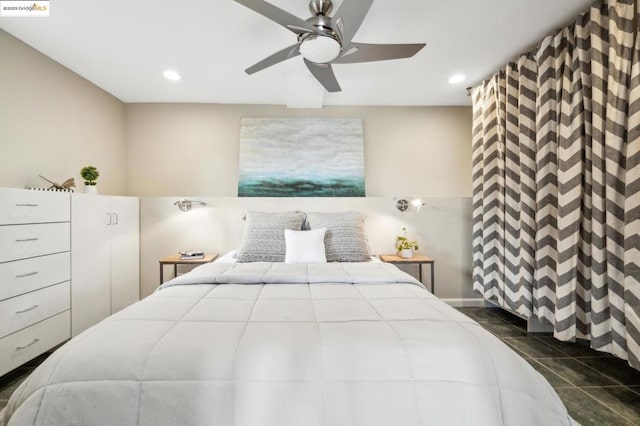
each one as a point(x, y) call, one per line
point(192, 150)
point(176, 149)
point(53, 122)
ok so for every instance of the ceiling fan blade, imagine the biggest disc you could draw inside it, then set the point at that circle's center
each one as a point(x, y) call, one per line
point(283, 55)
point(360, 52)
point(279, 16)
point(349, 17)
point(324, 74)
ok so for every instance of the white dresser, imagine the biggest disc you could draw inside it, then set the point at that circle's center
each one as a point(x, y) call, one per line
point(35, 272)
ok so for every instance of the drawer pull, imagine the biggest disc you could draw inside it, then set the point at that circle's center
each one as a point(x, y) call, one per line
point(27, 275)
point(26, 240)
point(33, 342)
point(28, 309)
point(27, 205)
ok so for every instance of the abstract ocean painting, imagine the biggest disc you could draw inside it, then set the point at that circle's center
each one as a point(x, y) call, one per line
point(301, 157)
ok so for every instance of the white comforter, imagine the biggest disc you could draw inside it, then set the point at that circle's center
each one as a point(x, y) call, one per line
point(331, 344)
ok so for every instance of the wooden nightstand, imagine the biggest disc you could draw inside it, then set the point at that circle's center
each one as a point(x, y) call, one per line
point(175, 261)
point(417, 260)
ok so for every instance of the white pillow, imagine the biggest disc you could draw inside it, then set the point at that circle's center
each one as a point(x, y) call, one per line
point(305, 246)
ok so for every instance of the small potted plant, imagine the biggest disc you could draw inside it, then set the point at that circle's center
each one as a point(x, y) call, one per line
point(90, 175)
point(405, 246)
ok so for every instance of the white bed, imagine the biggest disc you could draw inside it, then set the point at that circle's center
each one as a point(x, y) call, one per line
point(266, 344)
point(250, 340)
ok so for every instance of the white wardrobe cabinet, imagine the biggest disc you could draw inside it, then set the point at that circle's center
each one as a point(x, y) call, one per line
point(105, 255)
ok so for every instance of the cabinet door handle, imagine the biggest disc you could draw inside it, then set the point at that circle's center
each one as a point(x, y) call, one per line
point(33, 342)
point(108, 218)
point(26, 205)
point(27, 275)
point(115, 218)
point(28, 309)
point(25, 240)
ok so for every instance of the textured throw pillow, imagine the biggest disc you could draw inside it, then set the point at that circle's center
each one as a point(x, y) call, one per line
point(263, 239)
point(345, 240)
point(305, 246)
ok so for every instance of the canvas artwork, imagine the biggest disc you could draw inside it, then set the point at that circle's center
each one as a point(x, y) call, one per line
point(301, 157)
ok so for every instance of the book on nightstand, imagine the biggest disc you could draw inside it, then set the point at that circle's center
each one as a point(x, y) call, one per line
point(191, 255)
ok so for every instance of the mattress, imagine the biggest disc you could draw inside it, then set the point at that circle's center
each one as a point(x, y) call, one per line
point(286, 344)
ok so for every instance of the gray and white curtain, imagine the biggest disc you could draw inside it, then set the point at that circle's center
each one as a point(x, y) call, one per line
point(556, 182)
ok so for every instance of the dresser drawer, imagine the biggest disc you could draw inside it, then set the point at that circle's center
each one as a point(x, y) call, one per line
point(22, 311)
point(24, 345)
point(22, 276)
point(25, 241)
point(23, 206)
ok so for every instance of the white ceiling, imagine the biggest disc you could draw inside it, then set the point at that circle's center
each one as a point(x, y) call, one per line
point(123, 46)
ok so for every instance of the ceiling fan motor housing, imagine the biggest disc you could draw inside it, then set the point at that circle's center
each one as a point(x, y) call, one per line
point(321, 7)
point(322, 21)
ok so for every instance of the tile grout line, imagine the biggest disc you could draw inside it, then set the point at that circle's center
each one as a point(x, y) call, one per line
point(605, 375)
point(579, 388)
point(565, 378)
point(551, 346)
point(563, 355)
point(637, 392)
point(574, 358)
point(604, 404)
point(572, 385)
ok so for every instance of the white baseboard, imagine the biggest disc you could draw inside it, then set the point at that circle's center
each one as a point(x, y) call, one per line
point(464, 303)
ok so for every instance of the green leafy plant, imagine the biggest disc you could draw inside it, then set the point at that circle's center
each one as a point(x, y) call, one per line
point(90, 175)
point(403, 243)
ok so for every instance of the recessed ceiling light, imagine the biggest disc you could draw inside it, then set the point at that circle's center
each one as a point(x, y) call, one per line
point(458, 78)
point(171, 75)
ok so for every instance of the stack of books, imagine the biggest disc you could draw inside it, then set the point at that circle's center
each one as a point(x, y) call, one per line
point(191, 255)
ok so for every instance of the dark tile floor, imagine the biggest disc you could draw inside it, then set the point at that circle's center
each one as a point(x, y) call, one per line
point(597, 389)
point(9, 382)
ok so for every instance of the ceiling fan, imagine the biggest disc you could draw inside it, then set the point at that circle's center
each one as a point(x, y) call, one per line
point(324, 40)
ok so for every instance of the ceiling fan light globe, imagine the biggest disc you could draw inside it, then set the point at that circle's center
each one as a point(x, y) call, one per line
point(320, 49)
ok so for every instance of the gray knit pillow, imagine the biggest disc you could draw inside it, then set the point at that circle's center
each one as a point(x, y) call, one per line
point(345, 240)
point(263, 239)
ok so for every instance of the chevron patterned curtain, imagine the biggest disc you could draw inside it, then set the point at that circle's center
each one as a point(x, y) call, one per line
point(631, 312)
point(556, 183)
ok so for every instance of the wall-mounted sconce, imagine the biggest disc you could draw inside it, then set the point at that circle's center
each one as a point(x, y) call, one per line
point(185, 205)
point(403, 204)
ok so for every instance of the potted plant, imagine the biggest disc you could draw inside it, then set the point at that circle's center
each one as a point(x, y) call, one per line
point(405, 246)
point(90, 175)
